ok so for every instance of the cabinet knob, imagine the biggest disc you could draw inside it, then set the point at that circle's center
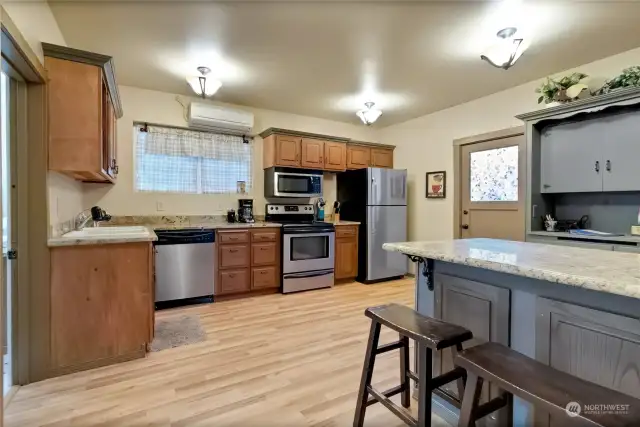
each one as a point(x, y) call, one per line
point(465, 212)
point(233, 250)
point(465, 226)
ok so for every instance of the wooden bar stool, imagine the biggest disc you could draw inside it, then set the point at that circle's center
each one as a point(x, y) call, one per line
point(562, 395)
point(429, 335)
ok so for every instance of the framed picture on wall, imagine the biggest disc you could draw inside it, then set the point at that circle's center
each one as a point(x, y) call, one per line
point(436, 185)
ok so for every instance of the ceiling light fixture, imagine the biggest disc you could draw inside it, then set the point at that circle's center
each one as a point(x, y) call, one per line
point(369, 115)
point(506, 52)
point(202, 85)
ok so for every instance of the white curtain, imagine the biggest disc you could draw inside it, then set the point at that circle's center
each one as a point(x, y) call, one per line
point(186, 161)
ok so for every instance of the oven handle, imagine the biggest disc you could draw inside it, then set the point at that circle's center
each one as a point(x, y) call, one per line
point(308, 274)
point(310, 231)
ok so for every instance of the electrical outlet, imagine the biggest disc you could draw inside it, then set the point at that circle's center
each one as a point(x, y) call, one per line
point(159, 206)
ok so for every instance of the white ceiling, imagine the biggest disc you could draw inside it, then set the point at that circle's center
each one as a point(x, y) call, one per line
point(325, 59)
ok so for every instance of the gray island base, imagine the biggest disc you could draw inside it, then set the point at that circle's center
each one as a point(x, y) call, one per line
point(574, 309)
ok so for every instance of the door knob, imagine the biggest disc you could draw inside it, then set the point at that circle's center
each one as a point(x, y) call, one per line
point(465, 226)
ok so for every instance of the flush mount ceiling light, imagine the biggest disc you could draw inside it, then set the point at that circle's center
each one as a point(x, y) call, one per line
point(202, 85)
point(369, 115)
point(506, 51)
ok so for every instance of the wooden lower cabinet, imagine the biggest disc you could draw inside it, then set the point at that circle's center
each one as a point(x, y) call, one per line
point(253, 265)
point(346, 252)
point(102, 305)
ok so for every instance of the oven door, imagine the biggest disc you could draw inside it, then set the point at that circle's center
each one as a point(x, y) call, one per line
point(307, 251)
point(288, 184)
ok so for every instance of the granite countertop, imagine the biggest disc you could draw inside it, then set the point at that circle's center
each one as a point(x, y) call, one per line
point(149, 235)
point(611, 272)
point(342, 222)
point(566, 234)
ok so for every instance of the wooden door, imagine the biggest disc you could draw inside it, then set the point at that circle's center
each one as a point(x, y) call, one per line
point(571, 158)
point(481, 308)
point(312, 153)
point(493, 189)
point(288, 150)
point(335, 156)
point(600, 347)
point(621, 151)
point(358, 157)
point(346, 258)
point(381, 158)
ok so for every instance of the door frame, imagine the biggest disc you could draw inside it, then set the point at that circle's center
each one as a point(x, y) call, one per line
point(31, 341)
point(457, 166)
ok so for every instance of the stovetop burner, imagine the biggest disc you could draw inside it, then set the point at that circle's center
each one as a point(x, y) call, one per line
point(298, 216)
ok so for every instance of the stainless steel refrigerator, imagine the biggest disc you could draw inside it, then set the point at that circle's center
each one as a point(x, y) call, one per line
point(377, 197)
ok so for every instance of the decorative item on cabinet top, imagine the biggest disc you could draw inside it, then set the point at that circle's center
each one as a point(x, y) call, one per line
point(305, 150)
point(82, 117)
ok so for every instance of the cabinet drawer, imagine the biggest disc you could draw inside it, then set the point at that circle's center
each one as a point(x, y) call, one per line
point(264, 236)
point(264, 277)
point(263, 253)
point(232, 281)
point(233, 237)
point(234, 256)
point(346, 231)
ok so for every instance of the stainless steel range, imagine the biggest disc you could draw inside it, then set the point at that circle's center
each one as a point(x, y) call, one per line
point(307, 247)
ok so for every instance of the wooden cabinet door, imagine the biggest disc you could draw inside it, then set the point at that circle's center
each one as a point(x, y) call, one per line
point(335, 156)
point(234, 256)
point(264, 277)
point(234, 281)
point(263, 254)
point(312, 153)
point(381, 158)
point(346, 258)
point(288, 150)
point(479, 307)
point(358, 157)
point(600, 347)
point(571, 158)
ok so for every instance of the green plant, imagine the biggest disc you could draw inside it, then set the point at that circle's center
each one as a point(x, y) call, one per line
point(630, 77)
point(551, 89)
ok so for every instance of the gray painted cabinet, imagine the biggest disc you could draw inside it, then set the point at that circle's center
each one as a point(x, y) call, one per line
point(621, 149)
point(479, 307)
point(571, 158)
point(600, 347)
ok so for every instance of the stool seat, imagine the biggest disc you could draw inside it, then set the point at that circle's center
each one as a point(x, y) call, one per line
point(545, 387)
point(434, 333)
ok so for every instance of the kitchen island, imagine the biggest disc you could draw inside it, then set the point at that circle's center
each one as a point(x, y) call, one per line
point(574, 309)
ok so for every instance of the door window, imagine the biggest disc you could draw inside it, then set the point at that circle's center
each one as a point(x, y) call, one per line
point(311, 247)
point(494, 175)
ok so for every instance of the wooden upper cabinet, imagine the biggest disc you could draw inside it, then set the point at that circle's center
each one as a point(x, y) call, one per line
point(288, 150)
point(358, 157)
point(335, 156)
point(312, 153)
point(381, 158)
point(83, 108)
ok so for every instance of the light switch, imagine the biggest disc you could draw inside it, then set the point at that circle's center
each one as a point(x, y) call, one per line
point(159, 206)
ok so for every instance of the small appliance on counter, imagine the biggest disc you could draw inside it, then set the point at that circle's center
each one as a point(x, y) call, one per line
point(307, 247)
point(564, 225)
point(231, 216)
point(245, 210)
point(99, 215)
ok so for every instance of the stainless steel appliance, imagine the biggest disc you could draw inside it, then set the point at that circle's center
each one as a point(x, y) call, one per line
point(284, 182)
point(184, 264)
point(245, 210)
point(307, 247)
point(377, 197)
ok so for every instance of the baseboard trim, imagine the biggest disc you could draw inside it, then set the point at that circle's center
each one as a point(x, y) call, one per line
point(12, 392)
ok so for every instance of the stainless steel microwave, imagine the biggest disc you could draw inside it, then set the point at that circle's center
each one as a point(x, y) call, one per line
point(285, 182)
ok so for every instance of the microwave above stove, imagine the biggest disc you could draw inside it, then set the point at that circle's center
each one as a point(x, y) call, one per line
point(285, 182)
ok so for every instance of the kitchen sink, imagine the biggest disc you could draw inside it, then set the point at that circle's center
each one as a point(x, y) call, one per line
point(108, 231)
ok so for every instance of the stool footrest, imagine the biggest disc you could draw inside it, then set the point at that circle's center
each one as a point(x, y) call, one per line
point(447, 377)
point(399, 411)
point(491, 406)
point(389, 347)
point(387, 393)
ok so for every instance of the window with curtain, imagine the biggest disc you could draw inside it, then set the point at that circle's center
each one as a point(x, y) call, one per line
point(184, 161)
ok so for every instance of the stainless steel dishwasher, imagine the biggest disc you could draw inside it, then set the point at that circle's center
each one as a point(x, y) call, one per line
point(185, 268)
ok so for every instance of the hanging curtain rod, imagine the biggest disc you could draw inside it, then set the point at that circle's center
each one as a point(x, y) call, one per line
point(144, 127)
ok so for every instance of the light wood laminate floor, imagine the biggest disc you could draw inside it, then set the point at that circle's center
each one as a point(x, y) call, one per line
point(276, 360)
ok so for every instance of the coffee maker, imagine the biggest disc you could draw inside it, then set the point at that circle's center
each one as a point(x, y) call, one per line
point(245, 210)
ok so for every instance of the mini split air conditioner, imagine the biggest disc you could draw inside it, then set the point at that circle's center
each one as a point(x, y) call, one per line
point(213, 118)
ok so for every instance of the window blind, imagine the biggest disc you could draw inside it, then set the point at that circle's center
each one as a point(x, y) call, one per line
point(185, 161)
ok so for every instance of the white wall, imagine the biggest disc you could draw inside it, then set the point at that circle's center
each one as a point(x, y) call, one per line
point(162, 108)
point(37, 24)
point(425, 143)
